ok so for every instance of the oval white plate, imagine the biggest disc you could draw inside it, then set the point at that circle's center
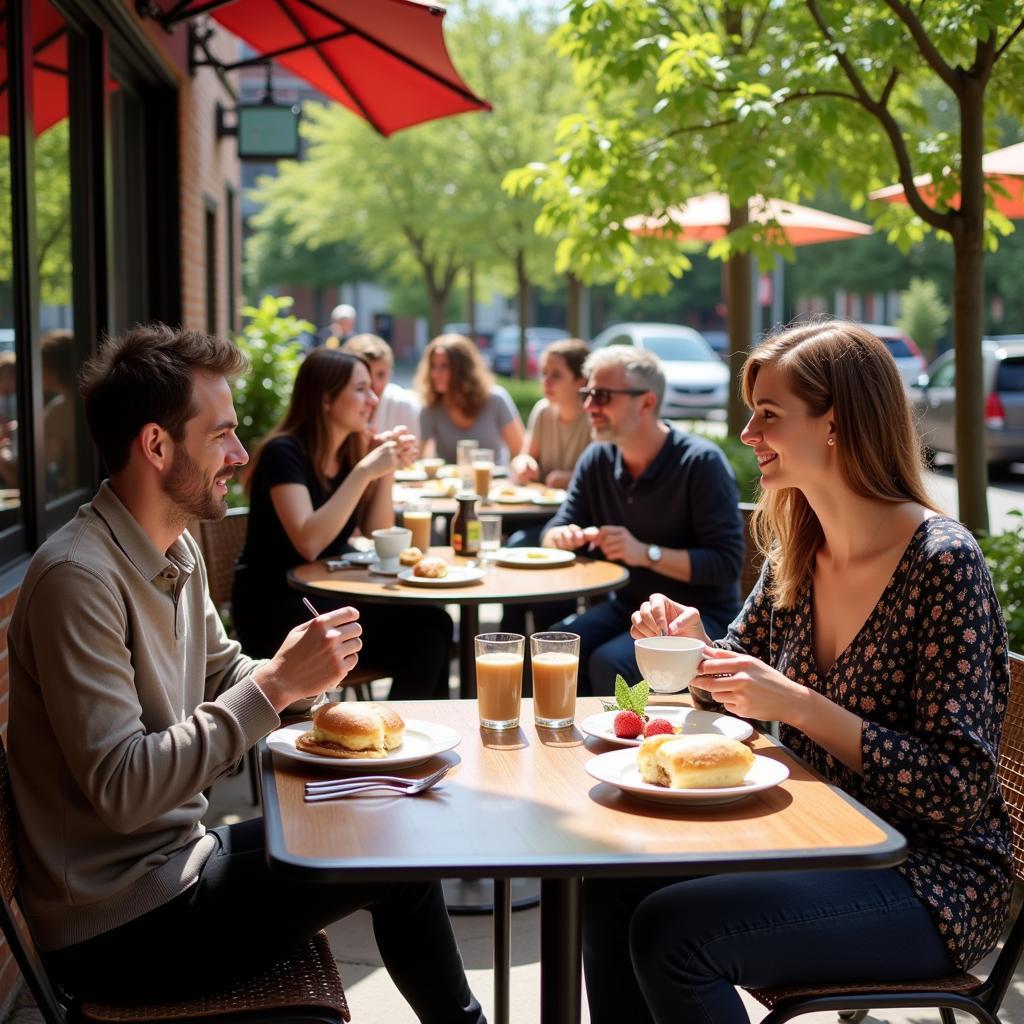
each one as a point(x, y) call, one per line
point(522, 496)
point(458, 576)
point(534, 558)
point(410, 475)
point(619, 768)
point(422, 741)
point(692, 720)
point(544, 499)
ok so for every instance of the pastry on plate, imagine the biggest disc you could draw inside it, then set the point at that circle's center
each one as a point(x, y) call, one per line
point(349, 730)
point(705, 761)
point(431, 568)
point(410, 556)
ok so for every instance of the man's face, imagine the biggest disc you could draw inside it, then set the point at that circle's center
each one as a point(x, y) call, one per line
point(622, 415)
point(380, 374)
point(207, 457)
point(344, 326)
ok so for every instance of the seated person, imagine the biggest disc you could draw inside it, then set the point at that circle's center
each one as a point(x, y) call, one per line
point(660, 501)
point(874, 637)
point(558, 428)
point(461, 401)
point(397, 405)
point(312, 484)
point(128, 700)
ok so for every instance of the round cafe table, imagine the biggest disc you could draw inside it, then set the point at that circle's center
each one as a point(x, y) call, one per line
point(585, 577)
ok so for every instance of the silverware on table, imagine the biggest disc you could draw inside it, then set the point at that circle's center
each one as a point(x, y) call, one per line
point(336, 788)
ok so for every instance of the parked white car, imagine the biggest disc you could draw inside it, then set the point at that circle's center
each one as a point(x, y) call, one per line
point(696, 380)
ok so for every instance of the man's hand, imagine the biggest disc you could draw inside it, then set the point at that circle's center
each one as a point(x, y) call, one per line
point(570, 537)
point(315, 656)
point(525, 469)
point(619, 545)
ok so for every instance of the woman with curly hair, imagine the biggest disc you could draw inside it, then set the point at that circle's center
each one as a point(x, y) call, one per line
point(461, 401)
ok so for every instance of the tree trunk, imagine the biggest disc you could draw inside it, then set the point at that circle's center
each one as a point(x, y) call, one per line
point(968, 315)
point(737, 297)
point(573, 302)
point(523, 289)
point(471, 300)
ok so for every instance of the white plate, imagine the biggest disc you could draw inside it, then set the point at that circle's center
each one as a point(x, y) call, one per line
point(458, 576)
point(409, 475)
point(534, 558)
point(422, 741)
point(620, 769)
point(545, 499)
point(692, 720)
point(378, 570)
point(360, 557)
point(522, 496)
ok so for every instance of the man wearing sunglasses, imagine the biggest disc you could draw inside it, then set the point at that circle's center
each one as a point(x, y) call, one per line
point(648, 495)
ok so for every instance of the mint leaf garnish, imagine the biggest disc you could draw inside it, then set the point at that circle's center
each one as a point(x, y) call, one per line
point(622, 694)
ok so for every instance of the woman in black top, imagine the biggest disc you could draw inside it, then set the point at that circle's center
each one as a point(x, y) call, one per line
point(312, 484)
point(875, 639)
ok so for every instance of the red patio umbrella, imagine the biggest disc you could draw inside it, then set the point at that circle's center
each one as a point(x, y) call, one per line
point(385, 60)
point(1003, 166)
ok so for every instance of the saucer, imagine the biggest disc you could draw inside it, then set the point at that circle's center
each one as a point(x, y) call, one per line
point(378, 570)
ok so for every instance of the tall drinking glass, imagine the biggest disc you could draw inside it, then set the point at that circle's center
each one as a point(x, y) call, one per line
point(464, 460)
point(418, 517)
point(556, 661)
point(490, 537)
point(483, 468)
point(499, 678)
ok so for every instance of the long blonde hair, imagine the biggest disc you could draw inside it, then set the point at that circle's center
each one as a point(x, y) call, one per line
point(840, 366)
point(469, 382)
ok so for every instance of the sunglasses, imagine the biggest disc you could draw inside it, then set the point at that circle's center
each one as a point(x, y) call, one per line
point(603, 396)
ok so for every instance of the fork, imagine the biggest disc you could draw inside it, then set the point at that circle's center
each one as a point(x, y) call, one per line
point(403, 787)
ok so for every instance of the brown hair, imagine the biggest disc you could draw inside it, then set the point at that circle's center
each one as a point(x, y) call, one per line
point(145, 376)
point(573, 351)
point(369, 347)
point(838, 366)
point(323, 374)
point(470, 382)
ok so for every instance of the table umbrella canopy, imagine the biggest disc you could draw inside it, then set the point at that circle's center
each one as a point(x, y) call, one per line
point(706, 218)
point(385, 60)
point(1005, 167)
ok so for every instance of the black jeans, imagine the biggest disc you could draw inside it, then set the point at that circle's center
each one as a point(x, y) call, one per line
point(240, 915)
point(671, 951)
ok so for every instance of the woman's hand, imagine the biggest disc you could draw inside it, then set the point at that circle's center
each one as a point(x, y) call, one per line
point(749, 688)
point(380, 461)
point(524, 468)
point(660, 616)
point(408, 446)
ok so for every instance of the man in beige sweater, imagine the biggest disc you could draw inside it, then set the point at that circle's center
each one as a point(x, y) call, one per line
point(128, 700)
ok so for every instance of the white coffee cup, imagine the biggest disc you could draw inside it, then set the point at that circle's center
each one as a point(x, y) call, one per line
point(388, 544)
point(668, 663)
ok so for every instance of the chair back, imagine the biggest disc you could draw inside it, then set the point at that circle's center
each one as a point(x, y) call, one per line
point(11, 919)
point(222, 541)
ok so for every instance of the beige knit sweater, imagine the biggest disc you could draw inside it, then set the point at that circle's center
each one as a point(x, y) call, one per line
point(127, 701)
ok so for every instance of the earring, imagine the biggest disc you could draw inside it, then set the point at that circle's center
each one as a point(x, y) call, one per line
point(831, 441)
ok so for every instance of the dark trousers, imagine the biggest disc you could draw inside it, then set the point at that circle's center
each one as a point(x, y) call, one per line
point(240, 915)
point(669, 951)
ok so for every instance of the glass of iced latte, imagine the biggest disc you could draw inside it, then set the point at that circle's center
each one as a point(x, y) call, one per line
point(499, 678)
point(556, 661)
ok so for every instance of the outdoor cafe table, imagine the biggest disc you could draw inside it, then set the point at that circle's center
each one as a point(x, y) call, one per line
point(585, 577)
point(514, 515)
point(519, 804)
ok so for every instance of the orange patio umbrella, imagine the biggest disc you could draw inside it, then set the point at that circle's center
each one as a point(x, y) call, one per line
point(1005, 167)
point(706, 219)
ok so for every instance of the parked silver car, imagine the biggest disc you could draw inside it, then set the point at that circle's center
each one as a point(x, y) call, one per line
point(934, 396)
point(902, 348)
point(696, 380)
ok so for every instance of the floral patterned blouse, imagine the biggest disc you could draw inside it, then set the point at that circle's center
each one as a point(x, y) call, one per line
point(928, 674)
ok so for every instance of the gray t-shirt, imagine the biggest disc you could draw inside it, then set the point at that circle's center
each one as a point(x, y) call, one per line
point(437, 425)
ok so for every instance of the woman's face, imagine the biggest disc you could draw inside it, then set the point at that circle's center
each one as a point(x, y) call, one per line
point(560, 386)
point(353, 405)
point(791, 445)
point(440, 371)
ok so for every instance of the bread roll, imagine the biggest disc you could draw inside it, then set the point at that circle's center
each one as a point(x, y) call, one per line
point(707, 761)
point(353, 730)
point(431, 568)
point(410, 556)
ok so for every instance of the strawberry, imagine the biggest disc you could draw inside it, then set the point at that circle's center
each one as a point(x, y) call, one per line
point(628, 725)
point(658, 727)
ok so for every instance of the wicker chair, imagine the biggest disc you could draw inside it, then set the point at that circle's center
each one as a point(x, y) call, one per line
point(221, 541)
point(963, 992)
point(304, 988)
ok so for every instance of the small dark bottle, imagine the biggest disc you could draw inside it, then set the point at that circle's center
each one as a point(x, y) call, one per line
point(466, 526)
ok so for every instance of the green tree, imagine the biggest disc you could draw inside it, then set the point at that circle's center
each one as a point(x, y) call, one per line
point(786, 99)
point(924, 314)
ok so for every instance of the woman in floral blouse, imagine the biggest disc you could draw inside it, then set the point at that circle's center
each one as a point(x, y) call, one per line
point(875, 639)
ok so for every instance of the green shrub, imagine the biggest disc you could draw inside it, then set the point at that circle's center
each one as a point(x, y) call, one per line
point(525, 393)
point(924, 315)
point(1004, 553)
point(742, 459)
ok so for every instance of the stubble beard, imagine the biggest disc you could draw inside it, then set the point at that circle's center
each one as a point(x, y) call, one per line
point(191, 490)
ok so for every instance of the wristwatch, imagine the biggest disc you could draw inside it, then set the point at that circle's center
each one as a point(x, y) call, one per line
point(653, 554)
